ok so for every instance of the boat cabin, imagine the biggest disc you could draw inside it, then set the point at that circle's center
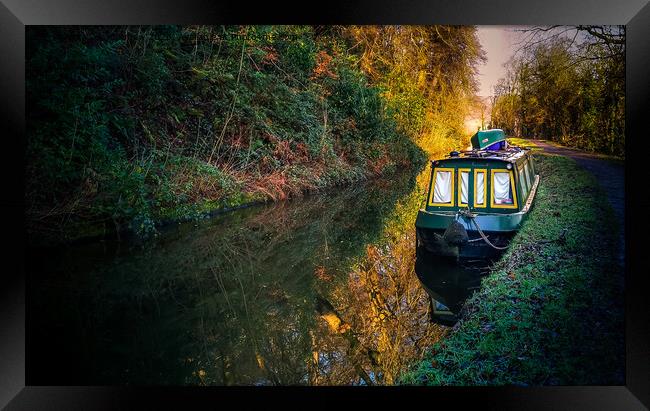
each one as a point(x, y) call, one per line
point(479, 194)
point(495, 181)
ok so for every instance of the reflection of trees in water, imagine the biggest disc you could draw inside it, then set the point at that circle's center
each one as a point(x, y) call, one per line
point(313, 291)
point(265, 275)
point(383, 320)
point(385, 312)
point(230, 302)
point(373, 318)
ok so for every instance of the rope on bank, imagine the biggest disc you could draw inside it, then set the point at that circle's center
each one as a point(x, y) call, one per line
point(466, 213)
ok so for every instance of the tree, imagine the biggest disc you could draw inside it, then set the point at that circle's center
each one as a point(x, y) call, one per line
point(567, 84)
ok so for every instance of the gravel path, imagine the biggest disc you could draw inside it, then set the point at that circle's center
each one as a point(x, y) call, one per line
point(610, 174)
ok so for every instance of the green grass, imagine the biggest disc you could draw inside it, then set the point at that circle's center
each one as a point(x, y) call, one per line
point(550, 313)
point(522, 142)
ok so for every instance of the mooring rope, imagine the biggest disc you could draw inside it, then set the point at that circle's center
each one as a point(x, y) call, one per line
point(466, 213)
point(472, 217)
point(485, 237)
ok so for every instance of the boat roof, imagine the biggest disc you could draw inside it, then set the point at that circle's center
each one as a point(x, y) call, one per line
point(510, 154)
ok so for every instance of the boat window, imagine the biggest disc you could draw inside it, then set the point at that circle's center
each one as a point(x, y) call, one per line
point(529, 174)
point(523, 182)
point(502, 188)
point(464, 186)
point(443, 187)
point(531, 169)
point(479, 188)
point(523, 178)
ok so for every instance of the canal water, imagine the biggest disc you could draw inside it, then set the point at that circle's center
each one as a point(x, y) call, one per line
point(319, 290)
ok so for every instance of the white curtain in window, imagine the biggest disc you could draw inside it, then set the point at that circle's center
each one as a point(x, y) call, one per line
point(501, 190)
point(522, 181)
point(464, 184)
point(442, 187)
point(480, 188)
point(527, 178)
point(528, 175)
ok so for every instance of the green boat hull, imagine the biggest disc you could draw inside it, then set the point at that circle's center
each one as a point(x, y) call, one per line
point(499, 228)
point(440, 220)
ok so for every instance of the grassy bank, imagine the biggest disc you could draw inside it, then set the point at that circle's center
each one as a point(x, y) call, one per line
point(550, 313)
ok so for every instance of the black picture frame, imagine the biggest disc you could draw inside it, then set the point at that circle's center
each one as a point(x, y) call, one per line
point(16, 14)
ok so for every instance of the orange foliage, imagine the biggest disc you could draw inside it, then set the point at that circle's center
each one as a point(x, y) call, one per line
point(321, 274)
point(283, 152)
point(323, 66)
point(302, 151)
point(271, 56)
point(275, 186)
point(239, 141)
point(287, 154)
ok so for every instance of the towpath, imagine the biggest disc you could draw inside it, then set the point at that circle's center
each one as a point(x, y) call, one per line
point(610, 174)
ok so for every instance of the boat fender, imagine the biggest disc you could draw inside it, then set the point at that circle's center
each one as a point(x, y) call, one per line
point(455, 234)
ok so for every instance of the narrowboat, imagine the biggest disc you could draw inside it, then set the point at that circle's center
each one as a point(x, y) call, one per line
point(477, 199)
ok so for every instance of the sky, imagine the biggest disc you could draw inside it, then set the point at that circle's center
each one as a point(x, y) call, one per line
point(499, 44)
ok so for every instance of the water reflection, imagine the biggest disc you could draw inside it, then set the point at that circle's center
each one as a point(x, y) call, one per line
point(449, 283)
point(314, 291)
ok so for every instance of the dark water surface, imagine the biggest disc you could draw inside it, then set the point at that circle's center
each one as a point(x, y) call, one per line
point(318, 290)
point(449, 283)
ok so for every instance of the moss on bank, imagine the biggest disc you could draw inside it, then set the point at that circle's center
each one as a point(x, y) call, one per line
point(550, 313)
